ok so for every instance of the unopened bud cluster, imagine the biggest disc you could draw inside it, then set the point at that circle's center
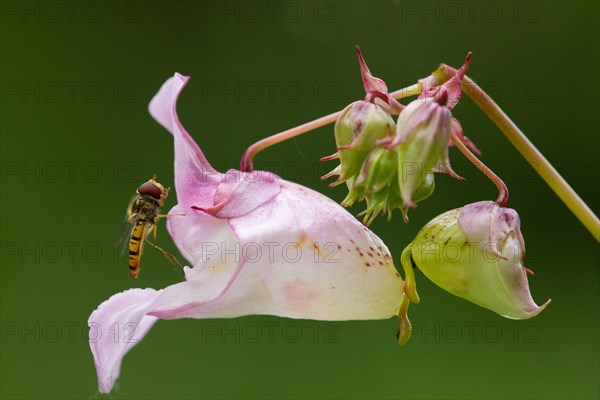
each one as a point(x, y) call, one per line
point(387, 163)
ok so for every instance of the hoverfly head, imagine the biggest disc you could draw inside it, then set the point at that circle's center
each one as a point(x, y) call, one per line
point(154, 189)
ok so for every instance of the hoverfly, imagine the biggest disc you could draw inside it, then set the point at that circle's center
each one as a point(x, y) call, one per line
point(142, 216)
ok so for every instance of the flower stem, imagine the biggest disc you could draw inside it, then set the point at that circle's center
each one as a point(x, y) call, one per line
point(524, 146)
point(517, 138)
point(502, 199)
point(246, 164)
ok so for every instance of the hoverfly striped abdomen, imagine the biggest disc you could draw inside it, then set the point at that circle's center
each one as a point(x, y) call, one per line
point(136, 241)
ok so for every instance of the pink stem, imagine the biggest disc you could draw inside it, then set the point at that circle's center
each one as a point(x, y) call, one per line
point(502, 199)
point(246, 164)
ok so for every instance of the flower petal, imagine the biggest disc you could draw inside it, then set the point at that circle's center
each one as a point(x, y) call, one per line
point(242, 192)
point(196, 180)
point(300, 255)
point(196, 234)
point(115, 327)
point(258, 245)
point(317, 245)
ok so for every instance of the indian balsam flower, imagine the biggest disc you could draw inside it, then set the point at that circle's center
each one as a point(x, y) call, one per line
point(301, 255)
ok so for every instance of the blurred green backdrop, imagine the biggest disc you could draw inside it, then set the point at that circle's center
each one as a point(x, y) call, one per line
point(77, 139)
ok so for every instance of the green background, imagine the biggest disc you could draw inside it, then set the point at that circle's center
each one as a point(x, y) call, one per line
point(72, 159)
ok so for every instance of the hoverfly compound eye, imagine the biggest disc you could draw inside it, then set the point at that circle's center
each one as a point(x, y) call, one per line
point(152, 188)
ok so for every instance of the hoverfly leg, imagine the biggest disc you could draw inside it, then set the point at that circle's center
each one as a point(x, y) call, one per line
point(172, 259)
point(132, 217)
point(154, 231)
point(168, 215)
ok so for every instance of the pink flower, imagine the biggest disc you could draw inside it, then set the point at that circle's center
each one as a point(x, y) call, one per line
point(257, 245)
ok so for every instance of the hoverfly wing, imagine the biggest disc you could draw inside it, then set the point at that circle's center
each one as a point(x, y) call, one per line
point(122, 241)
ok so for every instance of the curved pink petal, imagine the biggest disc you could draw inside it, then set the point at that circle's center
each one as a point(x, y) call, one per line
point(196, 180)
point(242, 192)
point(116, 326)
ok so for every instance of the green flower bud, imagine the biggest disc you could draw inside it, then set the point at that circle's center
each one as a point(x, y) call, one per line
point(371, 157)
point(355, 193)
point(424, 191)
point(422, 137)
point(376, 204)
point(388, 199)
point(356, 131)
point(378, 170)
point(475, 252)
